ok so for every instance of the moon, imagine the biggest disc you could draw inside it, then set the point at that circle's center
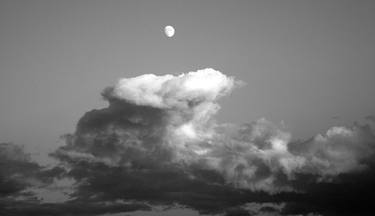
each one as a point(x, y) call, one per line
point(169, 31)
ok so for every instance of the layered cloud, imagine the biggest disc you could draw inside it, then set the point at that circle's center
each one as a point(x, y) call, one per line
point(16, 169)
point(157, 143)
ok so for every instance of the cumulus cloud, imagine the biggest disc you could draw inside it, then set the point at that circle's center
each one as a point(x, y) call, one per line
point(158, 138)
point(158, 143)
point(151, 119)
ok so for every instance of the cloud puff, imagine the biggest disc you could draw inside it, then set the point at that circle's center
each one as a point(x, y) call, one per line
point(339, 150)
point(169, 91)
point(253, 156)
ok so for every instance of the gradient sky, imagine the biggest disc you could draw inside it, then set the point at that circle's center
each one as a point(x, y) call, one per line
point(304, 62)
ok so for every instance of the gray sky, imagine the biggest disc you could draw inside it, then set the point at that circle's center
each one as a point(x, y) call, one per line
point(304, 62)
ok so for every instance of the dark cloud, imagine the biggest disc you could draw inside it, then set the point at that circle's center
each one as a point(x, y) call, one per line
point(20, 208)
point(347, 194)
point(17, 171)
point(256, 209)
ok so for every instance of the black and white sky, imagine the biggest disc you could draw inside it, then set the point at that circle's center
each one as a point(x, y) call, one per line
point(258, 107)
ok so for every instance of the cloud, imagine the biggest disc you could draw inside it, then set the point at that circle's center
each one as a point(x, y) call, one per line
point(68, 208)
point(17, 171)
point(24, 184)
point(157, 143)
point(256, 209)
point(339, 150)
point(169, 91)
point(150, 120)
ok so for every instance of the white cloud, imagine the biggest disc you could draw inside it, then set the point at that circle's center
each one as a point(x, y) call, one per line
point(169, 91)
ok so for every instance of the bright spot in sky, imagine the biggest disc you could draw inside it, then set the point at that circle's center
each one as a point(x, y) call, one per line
point(201, 151)
point(169, 31)
point(188, 130)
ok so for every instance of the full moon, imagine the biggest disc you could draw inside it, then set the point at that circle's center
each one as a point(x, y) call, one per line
point(169, 31)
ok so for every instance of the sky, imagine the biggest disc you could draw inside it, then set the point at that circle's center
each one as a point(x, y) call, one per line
point(307, 66)
point(304, 62)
